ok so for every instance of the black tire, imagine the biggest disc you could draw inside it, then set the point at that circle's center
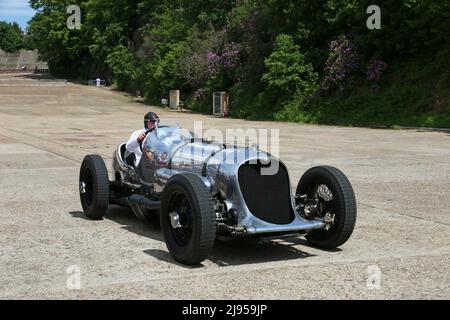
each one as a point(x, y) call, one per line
point(187, 195)
point(94, 196)
point(342, 204)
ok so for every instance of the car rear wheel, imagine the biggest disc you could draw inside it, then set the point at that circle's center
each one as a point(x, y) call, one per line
point(336, 205)
point(187, 219)
point(94, 187)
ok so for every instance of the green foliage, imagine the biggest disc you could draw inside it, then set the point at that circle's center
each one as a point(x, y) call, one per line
point(280, 51)
point(287, 71)
point(81, 53)
point(121, 62)
point(290, 80)
point(11, 37)
point(165, 70)
point(66, 51)
point(415, 93)
point(342, 61)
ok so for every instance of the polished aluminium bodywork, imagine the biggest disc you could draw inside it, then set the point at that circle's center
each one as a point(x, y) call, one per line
point(168, 151)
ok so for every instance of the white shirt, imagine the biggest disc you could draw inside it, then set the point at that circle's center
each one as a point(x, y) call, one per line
point(134, 146)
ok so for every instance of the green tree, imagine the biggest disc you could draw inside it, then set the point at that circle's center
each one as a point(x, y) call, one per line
point(155, 46)
point(121, 62)
point(287, 70)
point(11, 37)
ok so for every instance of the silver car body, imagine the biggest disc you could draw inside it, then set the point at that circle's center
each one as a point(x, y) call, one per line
point(168, 151)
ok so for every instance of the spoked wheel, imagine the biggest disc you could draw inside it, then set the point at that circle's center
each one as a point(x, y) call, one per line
point(94, 187)
point(326, 202)
point(181, 219)
point(331, 192)
point(187, 219)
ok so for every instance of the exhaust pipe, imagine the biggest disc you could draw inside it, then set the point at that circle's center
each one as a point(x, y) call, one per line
point(138, 203)
point(144, 201)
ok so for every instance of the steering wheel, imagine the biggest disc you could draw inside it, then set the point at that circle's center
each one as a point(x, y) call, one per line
point(146, 133)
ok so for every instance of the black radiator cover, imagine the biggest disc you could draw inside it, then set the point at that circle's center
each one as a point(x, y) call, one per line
point(268, 197)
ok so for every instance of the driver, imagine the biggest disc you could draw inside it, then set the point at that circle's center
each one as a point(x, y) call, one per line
point(151, 121)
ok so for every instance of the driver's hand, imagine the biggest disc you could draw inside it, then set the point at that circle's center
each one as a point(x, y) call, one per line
point(141, 137)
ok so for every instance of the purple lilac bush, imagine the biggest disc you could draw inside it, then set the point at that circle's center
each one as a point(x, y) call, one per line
point(375, 70)
point(213, 63)
point(200, 94)
point(342, 60)
point(226, 61)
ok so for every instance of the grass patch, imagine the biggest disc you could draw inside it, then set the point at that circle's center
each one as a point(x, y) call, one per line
point(414, 93)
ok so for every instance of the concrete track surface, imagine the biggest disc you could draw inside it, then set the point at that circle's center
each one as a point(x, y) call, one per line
point(401, 180)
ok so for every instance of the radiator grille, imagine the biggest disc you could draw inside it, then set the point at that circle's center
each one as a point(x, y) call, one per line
point(268, 197)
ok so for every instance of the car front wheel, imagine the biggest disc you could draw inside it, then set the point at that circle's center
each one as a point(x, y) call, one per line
point(331, 192)
point(188, 219)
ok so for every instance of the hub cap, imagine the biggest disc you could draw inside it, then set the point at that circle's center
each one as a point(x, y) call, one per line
point(82, 187)
point(175, 220)
point(180, 218)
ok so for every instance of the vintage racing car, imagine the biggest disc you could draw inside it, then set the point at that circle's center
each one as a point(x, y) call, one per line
point(205, 190)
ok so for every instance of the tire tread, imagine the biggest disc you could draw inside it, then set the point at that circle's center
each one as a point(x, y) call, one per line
point(206, 225)
point(348, 207)
point(100, 203)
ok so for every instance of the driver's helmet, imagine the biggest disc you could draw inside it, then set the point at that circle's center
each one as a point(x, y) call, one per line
point(151, 117)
